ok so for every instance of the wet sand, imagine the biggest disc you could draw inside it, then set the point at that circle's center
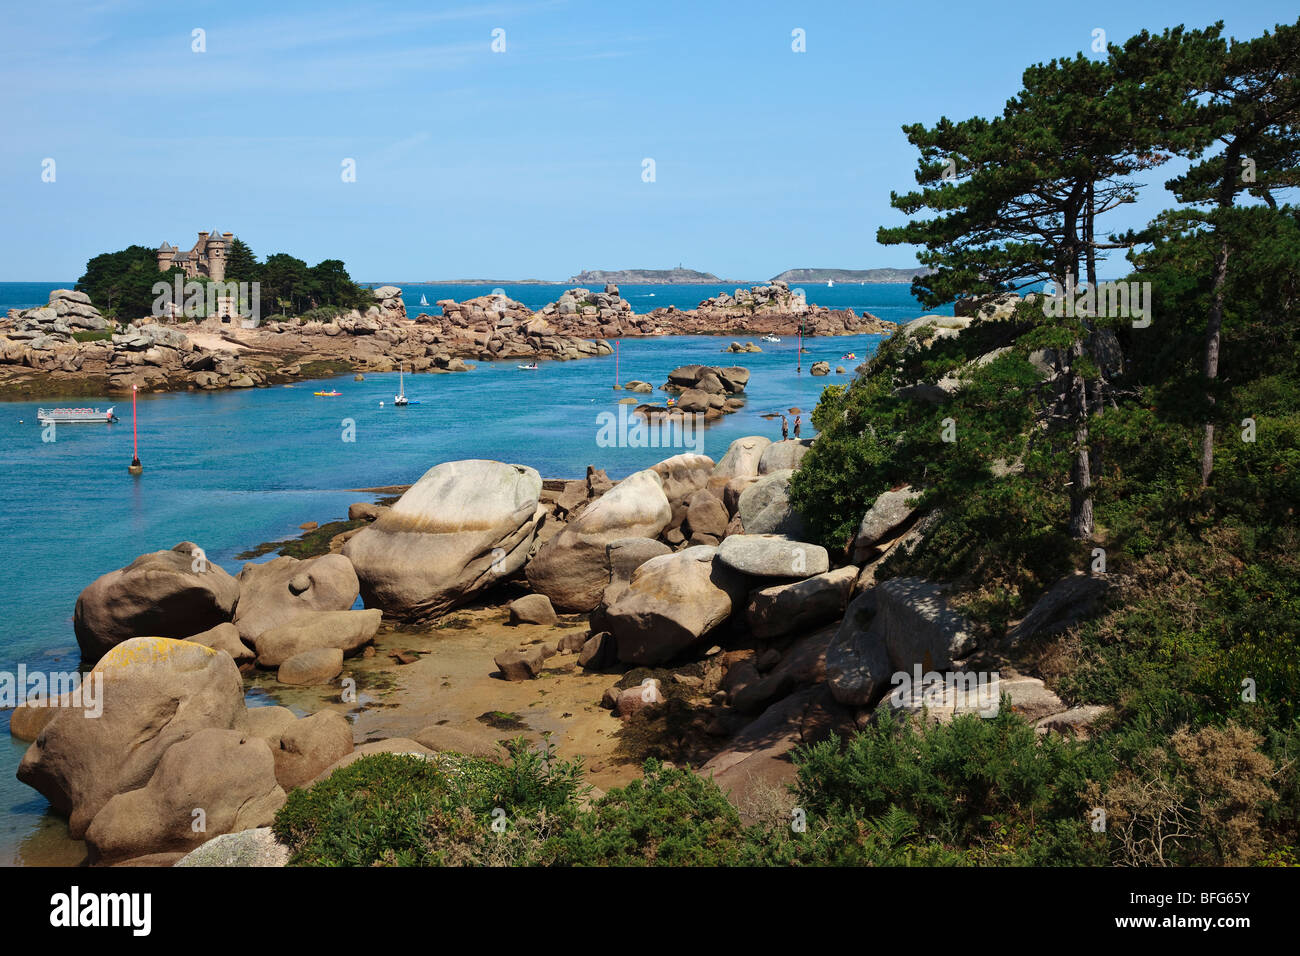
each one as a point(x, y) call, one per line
point(453, 685)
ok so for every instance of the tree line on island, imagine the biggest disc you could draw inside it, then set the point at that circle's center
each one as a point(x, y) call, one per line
point(121, 284)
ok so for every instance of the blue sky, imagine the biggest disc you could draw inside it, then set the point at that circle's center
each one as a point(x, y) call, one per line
point(520, 164)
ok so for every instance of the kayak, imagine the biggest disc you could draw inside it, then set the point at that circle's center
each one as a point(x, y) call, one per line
point(327, 394)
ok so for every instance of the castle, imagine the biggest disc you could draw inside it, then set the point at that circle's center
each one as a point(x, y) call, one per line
point(207, 258)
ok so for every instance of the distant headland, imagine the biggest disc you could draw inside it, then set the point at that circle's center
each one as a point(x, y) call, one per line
point(683, 276)
point(850, 275)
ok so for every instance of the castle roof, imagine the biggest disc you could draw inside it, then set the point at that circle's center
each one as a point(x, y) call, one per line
point(166, 248)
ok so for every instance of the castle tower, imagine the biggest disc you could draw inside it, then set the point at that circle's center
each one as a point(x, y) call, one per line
point(166, 256)
point(216, 256)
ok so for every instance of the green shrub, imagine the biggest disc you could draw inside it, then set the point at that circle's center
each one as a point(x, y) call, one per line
point(990, 788)
point(398, 810)
point(668, 817)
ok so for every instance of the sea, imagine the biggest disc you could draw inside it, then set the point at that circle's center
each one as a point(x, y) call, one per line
point(230, 470)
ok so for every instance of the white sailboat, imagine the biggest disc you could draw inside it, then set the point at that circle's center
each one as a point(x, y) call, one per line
point(400, 397)
point(424, 300)
point(830, 283)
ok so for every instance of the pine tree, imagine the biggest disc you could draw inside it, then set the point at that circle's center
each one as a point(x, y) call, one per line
point(1248, 96)
point(1018, 198)
point(241, 264)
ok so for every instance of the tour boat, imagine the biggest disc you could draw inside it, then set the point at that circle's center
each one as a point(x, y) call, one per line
point(327, 394)
point(528, 368)
point(74, 416)
point(400, 397)
point(770, 338)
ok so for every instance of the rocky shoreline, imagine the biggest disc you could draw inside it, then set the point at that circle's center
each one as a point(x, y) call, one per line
point(678, 612)
point(68, 348)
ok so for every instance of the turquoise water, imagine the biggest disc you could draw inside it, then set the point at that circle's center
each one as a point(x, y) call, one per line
point(230, 470)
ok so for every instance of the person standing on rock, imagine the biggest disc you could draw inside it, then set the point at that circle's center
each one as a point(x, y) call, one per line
point(797, 419)
point(785, 428)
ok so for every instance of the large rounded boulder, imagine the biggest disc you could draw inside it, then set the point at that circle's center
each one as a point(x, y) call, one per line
point(215, 782)
point(572, 569)
point(271, 595)
point(345, 631)
point(764, 507)
point(671, 602)
point(464, 526)
point(683, 475)
point(150, 693)
point(172, 593)
point(742, 458)
point(783, 455)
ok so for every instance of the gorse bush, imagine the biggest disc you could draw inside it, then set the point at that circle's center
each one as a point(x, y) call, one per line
point(984, 785)
point(1200, 799)
point(669, 817)
point(394, 809)
point(899, 793)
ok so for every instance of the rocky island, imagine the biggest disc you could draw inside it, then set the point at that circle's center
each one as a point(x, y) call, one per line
point(68, 348)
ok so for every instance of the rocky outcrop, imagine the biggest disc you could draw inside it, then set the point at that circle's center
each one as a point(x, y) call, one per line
point(216, 781)
point(742, 459)
point(857, 664)
point(799, 606)
point(303, 748)
point(773, 556)
point(945, 696)
point(523, 663)
point(783, 455)
point(532, 609)
point(764, 507)
point(316, 666)
point(671, 602)
point(443, 739)
point(275, 593)
point(899, 624)
point(388, 303)
point(156, 692)
point(345, 631)
point(683, 475)
point(1064, 604)
point(624, 556)
point(38, 344)
point(571, 568)
point(225, 637)
point(255, 847)
point(172, 593)
point(757, 761)
point(68, 312)
point(886, 516)
point(463, 527)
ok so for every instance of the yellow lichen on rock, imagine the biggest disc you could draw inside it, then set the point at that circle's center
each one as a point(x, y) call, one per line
point(154, 650)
